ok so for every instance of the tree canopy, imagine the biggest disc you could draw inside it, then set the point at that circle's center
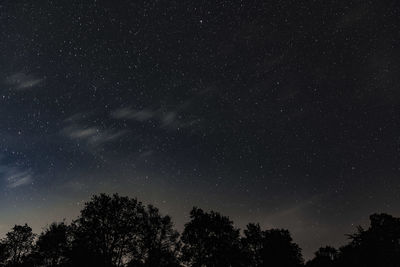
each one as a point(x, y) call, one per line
point(210, 239)
point(117, 231)
point(271, 247)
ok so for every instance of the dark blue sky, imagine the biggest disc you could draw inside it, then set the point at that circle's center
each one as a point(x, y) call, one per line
point(277, 112)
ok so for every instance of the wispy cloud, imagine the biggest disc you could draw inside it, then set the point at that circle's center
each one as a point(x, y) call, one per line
point(75, 132)
point(169, 118)
point(105, 136)
point(128, 113)
point(14, 176)
point(166, 119)
point(78, 117)
point(19, 178)
point(93, 136)
point(21, 81)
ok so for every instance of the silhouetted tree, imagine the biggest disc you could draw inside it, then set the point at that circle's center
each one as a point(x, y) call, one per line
point(53, 246)
point(210, 239)
point(324, 257)
point(270, 247)
point(83, 253)
point(159, 245)
point(109, 230)
point(114, 231)
point(379, 245)
point(4, 253)
point(253, 244)
point(18, 245)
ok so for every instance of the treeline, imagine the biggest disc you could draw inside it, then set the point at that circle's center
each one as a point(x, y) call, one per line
point(120, 231)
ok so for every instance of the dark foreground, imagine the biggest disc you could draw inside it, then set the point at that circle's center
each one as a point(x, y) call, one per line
point(121, 231)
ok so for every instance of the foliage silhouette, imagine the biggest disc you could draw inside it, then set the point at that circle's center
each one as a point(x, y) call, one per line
point(18, 244)
point(159, 244)
point(53, 246)
point(210, 239)
point(115, 231)
point(4, 254)
point(270, 247)
point(379, 245)
point(324, 257)
point(120, 231)
point(108, 230)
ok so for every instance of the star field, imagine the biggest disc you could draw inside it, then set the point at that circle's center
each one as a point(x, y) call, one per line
point(278, 112)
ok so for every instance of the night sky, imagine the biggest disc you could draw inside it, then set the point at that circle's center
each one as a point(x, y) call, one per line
point(284, 113)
